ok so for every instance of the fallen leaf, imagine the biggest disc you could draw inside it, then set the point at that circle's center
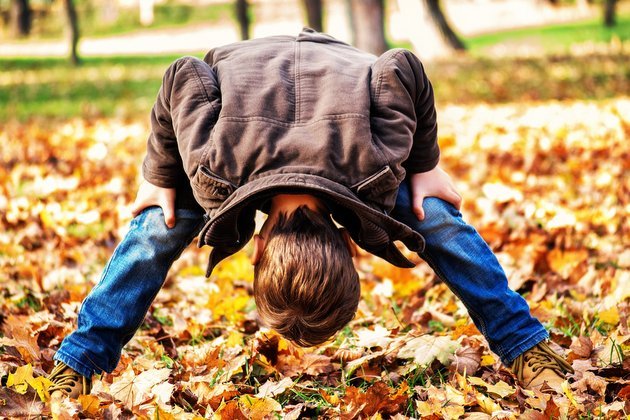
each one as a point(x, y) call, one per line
point(271, 388)
point(18, 380)
point(426, 348)
point(466, 360)
point(257, 408)
point(501, 388)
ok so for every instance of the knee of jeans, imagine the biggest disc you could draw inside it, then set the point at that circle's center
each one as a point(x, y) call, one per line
point(438, 212)
point(152, 230)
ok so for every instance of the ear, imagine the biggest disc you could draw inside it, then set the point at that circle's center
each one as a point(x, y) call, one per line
point(352, 247)
point(259, 247)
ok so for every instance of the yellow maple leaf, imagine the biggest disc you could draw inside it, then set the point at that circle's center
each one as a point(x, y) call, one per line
point(160, 414)
point(609, 316)
point(258, 408)
point(19, 379)
point(90, 404)
point(486, 404)
point(41, 385)
point(501, 388)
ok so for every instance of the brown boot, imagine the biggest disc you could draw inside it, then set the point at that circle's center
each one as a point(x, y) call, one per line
point(68, 382)
point(540, 365)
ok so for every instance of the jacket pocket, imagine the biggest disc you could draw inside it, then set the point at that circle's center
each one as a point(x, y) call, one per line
point(378, 189)
point(210, 189)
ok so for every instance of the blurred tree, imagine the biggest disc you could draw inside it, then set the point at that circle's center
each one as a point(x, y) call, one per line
point(368, 25)
point(73, 30)
point(314, 14)
point(439, 19)
point(147, 14)
point(20, 18)
point(242, 16)
point(610, 12)
point(350, 20)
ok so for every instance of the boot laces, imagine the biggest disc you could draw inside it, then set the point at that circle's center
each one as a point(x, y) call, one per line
point(539, 358)
point(63, 378)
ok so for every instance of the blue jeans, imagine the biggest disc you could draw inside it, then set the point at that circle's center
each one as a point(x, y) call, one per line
point(462, 259)
point(116, 306)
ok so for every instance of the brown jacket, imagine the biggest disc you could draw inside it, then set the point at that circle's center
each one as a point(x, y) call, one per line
point(283, 114)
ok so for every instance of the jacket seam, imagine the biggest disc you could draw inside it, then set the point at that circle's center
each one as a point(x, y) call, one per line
point(298, 99)
point(290, 124)
point(201, 86)
point(381, 72)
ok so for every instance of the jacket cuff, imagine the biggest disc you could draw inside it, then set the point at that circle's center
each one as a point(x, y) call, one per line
point(162, 179)
point(416, 166)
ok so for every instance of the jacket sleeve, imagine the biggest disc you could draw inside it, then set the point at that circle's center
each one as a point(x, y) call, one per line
point(185, 108)
point(425, 152)
point(403, 109)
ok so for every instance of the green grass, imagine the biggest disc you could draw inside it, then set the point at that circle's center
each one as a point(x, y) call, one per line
point(127, 86)
point(124, 86)
point(167, 15)
point(554, 38)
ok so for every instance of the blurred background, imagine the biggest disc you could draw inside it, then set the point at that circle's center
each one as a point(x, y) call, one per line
point(534, 119)
point(105, 58)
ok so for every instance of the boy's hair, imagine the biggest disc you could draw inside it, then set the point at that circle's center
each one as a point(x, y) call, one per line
point(305, 284)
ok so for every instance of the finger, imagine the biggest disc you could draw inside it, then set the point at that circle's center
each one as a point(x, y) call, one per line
point(169, 216)
point(417, 207)
point(168, 208)
point(452, 197)
point(137, 208)
point(457, 200)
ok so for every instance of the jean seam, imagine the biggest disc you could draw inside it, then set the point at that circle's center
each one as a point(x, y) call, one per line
point(175, 257)
point(521, 348)
point(83, 369)
point(425, 256)
point(76, 360)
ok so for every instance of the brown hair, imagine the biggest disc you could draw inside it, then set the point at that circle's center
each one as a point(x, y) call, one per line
point(305, 284)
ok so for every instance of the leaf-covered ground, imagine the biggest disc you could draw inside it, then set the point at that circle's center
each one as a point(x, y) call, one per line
point(546, 184)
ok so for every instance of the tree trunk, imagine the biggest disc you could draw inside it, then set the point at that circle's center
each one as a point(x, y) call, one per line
point(438, 17)
point(352, 23)
point(369, 31)
point(242, 16)
point(73, 30)
point(314, 14)
point(20, 18)
point(147, 14)
point(609, 12)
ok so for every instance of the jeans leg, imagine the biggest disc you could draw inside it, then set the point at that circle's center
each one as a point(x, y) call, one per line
point(115, 308)
point(463, 260)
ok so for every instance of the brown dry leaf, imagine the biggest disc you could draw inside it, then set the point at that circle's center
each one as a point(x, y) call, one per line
point(467, 360)
point(229, 411)
point(20, 337)
point(590, 383)
point(582, 347)
point(308, 364)
point(14, 405)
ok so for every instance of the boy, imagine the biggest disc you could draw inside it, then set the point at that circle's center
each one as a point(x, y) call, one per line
point(307, 129)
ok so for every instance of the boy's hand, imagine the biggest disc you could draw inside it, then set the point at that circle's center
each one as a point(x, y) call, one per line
point(434, 183)
point(152, 195)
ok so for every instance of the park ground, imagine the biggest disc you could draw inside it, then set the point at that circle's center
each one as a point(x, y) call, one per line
point(538, 148)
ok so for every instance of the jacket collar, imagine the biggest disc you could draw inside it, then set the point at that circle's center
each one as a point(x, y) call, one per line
point(232, 225)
